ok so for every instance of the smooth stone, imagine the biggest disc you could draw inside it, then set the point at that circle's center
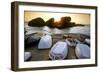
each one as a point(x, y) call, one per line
point(87, 41)
point(45, 42)
point(27, 55)
point(82, 51)
point(59, 51)
point(85, 30)
point(46, 30)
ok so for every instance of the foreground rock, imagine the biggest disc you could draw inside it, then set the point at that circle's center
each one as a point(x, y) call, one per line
point(82, 51)
point(45, 42)
point(27, 56)
point(31, 40)
point(59, 51)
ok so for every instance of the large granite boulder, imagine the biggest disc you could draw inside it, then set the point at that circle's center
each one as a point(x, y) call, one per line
point(37, 22)
point(50, 22)
point(65, 21)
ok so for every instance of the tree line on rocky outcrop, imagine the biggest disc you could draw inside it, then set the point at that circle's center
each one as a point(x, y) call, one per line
point(64, 22)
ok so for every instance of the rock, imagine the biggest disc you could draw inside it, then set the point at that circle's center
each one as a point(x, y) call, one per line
point(45, 42)
point(37, 22)
point(87, 41)
point(82, 51)
point(50, 22)
point(65, 22)
point(57, 31)
point(58, 25)
point(71, 24)
point(27, 56)
point(59, 51)
point(84, 30)
point(46, 30)
point(31, 40)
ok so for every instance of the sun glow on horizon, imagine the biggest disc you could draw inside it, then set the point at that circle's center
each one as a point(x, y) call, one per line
point(77, 18)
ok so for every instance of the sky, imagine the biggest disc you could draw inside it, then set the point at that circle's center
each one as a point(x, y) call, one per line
point(75, 17)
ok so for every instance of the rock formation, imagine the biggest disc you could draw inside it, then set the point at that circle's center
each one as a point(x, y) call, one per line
point(50, 22)
point(38, 22)
point(65, 22)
